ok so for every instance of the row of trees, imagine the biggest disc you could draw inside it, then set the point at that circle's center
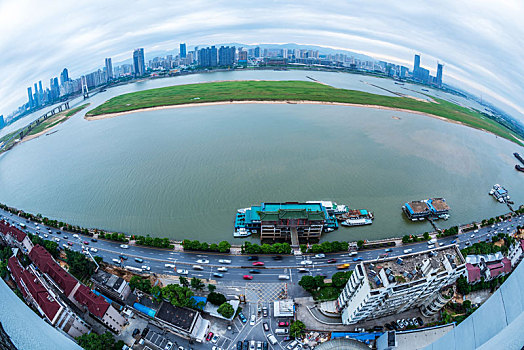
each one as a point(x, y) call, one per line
point(452, 231)
point(51, 246)
point(141, 283)
point(222, 247)
point(414, 238)
point(275, 248)
point(326, 247)
point(117, 237)
point(152, 242)
point(93, 341)
point(5, 254)
point(464, 288)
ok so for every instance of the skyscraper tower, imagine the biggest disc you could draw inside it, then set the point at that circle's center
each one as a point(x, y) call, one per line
point(64, 76)
point(30, 98)
point(109, 69)
point(416, 65)
point(139, 64)
point(183, 52)
point(440, 66)
point(36, 99)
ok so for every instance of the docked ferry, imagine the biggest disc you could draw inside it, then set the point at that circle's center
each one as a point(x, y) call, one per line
point(499, 193)
point(357, 222)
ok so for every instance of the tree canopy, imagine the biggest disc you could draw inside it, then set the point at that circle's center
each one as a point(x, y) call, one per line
point(226, 310)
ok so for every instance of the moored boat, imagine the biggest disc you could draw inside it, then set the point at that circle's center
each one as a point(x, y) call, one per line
point(357, 222)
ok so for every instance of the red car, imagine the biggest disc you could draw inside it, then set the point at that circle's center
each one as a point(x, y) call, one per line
point(209, 336)
point(248, 277)
point(331, 261)
point(86, 242)
point(70, 243)
point(283, 324)
point(258, 263)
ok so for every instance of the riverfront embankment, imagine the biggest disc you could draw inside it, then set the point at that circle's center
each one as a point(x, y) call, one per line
point(261, 91)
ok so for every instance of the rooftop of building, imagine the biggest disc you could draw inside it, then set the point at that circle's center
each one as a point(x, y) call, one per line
point(179, 317)
point(411, 267)
point(439, 204)
point(417, 206)
point(108, 280)
point(96, 304)
point(289, 209)
point(6, 228)
point(45, 262)
point(473, 272)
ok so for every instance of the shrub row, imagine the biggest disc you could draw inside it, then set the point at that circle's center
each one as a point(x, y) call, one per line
point(222, 247)
point(275, 248)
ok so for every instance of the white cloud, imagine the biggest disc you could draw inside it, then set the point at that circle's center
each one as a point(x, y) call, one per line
point(480, 41)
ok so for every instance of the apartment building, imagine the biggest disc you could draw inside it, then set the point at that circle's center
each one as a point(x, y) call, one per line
point(394, 285)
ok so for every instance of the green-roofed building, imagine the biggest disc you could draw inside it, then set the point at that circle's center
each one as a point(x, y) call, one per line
point(278, 220)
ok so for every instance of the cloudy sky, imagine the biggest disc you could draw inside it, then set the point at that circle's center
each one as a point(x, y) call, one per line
point(480, 42)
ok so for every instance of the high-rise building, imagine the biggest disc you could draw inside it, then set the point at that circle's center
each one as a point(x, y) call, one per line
point(226, 56)
point(257, 51)
point(2, 122)
point(183, 52)
point(64, 76)
point(109, 69)
point(416, 64)
point(139, 62)
point(440, 66)
point(31, 101)
point(36, 97)
point(393, 285)
point(208, 57)
point(242, 56)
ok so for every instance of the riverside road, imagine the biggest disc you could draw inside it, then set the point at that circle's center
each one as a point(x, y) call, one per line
point(272, 270)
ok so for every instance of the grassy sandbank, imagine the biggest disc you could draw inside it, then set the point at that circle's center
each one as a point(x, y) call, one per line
point(291, 91)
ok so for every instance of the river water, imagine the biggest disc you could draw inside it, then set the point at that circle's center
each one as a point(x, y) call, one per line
point(183, 173)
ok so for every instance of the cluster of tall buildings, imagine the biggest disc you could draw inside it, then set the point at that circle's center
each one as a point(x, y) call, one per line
point(212, 57)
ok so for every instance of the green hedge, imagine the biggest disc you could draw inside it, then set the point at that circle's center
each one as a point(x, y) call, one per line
point(275, 248)
point(222, 247)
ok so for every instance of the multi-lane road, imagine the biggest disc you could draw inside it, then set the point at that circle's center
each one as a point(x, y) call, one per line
point(284, 270)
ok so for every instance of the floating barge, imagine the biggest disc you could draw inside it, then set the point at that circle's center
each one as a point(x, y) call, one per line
point(499, 193)
point(518, 157)
point(434, 208)
point(519, 168)
point(279, 220)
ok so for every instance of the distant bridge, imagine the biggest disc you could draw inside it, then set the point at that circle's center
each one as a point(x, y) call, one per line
point(25, 130)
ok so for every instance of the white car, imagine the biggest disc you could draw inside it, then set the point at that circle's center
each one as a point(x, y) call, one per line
point(94, 250)
point(57, 240)
point(124, 246)
point(202, 261)
point(214, 339)
point(46, 235)
point(472, 235)
point(222, 269)
point(146, 268)
point(183, 272)
point(75, 235)
point(306, 262)
point(320, 256)
point(252, 320)
point(224, 261)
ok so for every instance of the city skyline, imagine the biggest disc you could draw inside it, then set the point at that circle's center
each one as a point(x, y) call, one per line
point(475, 55)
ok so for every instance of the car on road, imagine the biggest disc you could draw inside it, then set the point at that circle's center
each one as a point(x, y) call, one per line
point(467, 243)
point(302, 270)
point(209, 336)
point(94, 250)
point(202, 261)
point(124, 246)
point(243, 318)
point(283, 277)
point(277, 257)
point(357, 259)
point(86, 242)
point(146, 268)
point(265, 346)
point(420, 321)
point(320, 256)
point(116, 261)
point(214, 339)
point(387, 250)
point(306, 262)
point(247, 277)
point(74, 235)
point(342, 266)
point(264, 311)
point(183, 272)
point(283, 324)
point(254, 271)
point(252, 320)
point(252, 345)
point(222, 269)
point(239, 345)
point(70, 243)
point(92, 239)
point(224, 261)
point(139, 260)
point(168, 346)
point(218, 274)
point(258, 263)
point(123, 257)
point(259, 345)
point(332, 261)
point(266, 327)
point(454, 241)
point(46, 235)
point(252, 258)
point(65, 237)
point(246, 345)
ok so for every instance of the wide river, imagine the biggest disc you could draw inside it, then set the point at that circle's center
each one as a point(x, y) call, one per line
point(183, 173)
